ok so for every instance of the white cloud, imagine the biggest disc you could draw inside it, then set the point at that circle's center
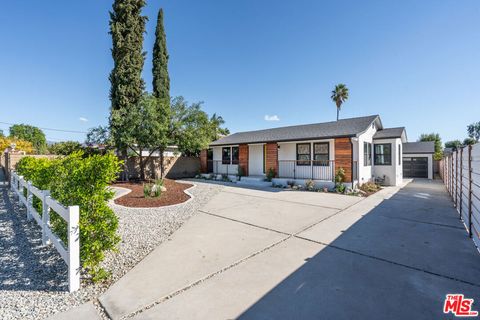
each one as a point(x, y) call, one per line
point(83, 119)
point(273, 117)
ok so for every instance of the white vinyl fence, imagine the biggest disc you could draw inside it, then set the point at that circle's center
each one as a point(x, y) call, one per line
point(70, 252)
point(460, 172)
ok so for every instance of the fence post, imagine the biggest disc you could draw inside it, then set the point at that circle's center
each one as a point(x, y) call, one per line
point(470, 191)
point(29, 200)
point(456, 179)
point(45, 217)
point(451, 177)
point(461, 181)
point(73, 248)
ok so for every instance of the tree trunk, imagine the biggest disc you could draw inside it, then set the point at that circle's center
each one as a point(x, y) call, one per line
point(162, 166)
point(142, 166)
point(338, 111)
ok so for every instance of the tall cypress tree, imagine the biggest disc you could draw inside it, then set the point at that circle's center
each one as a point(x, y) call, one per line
point(127, 27)
point(161, 80)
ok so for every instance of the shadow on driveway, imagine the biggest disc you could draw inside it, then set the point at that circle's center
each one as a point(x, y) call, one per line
point(397, 262)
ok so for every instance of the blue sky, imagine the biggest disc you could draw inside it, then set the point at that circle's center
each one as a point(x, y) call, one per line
point(416, 63)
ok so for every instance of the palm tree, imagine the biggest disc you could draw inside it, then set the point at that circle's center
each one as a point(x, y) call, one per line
point(339, 96)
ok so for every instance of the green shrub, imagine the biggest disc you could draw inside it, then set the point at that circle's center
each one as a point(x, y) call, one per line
point(310, 184)
point(271, 174)
point(82, 181)
point(153, 190)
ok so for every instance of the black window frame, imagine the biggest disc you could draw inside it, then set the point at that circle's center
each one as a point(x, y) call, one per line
point(367, 154)
point(304, 162)
point(386, 156)
point(224, 159)
point(235, 155)
point(324, 163)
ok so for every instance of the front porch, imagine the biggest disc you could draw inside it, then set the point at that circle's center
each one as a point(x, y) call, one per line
point(316, 160)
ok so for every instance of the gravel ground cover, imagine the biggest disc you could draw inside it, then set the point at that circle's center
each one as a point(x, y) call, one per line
point(33, 278)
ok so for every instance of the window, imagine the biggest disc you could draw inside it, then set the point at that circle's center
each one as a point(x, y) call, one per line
point(303, 154)
point(234, 155)
point(383, 154)
point(367, 154)
point(226, 155)
point(399, 154)
point(321, 154)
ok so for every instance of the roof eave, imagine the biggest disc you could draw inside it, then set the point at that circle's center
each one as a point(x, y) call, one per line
point(283, 140)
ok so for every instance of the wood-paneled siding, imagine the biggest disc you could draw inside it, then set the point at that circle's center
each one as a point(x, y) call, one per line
point(343, 156)
point(271, 157)
point(203, 161)
point(243, 158)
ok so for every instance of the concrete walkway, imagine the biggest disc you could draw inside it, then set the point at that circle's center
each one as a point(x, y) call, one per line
point(257, 254)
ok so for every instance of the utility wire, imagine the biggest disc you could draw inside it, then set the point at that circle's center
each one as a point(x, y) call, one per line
point(51, 129)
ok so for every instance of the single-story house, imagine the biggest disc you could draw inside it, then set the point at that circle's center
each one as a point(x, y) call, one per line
point(361, 146)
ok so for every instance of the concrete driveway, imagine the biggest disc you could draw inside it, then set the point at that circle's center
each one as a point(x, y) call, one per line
point(275, 254)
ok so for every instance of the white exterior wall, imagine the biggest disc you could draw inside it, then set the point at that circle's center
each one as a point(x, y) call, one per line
point(288, 151)
point(218, 167)
point(255, 160)
point(365, 173)
point(430, 161)
point(393, 173)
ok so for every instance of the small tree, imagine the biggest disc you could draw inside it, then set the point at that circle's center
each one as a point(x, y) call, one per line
point(191, 128)
point(65, 147)
point(468, 141)
point(438, 143)
point(339, 96)
point(454, 144)
point(30, 133)
point(474, 131)
point(150, 119)
point(20, 145)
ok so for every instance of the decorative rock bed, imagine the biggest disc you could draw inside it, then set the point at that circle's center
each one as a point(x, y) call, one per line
point(33, 277)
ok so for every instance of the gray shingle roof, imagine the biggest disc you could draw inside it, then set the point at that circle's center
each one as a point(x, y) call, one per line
point(341, 128)
point(389, 133)
point(419, 147)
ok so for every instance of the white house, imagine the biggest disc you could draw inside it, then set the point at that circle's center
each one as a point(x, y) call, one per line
point(362, 147)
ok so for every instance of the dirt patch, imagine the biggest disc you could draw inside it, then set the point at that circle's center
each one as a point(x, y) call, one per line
point(174, 195)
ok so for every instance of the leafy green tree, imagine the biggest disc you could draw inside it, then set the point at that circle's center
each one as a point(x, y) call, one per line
point(98, 136)
point(151, 126)
point(161, 79)
point(454, 144)
point(469, 141)
point(438, 143)
point(339, 96)
point(191, 129)
point(65, 148)
point(217, 122)
point(30, 133)
point(127, 27)
point(474, 131)
point(1, 134)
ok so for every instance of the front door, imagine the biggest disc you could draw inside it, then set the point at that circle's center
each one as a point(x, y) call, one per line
point(256, 160)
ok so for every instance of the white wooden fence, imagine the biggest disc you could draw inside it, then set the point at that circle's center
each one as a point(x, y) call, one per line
point(460, 172)
point(70, 252)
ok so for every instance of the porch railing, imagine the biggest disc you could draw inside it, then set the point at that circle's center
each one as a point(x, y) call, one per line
point(307, 169)
point(218, 167)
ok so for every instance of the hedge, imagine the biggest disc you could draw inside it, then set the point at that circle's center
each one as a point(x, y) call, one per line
point(82, 181)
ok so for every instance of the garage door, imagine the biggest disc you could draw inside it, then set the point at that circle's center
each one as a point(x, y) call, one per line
point(415, 167)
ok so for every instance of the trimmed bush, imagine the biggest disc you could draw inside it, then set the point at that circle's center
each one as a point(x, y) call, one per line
point(82, 181)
